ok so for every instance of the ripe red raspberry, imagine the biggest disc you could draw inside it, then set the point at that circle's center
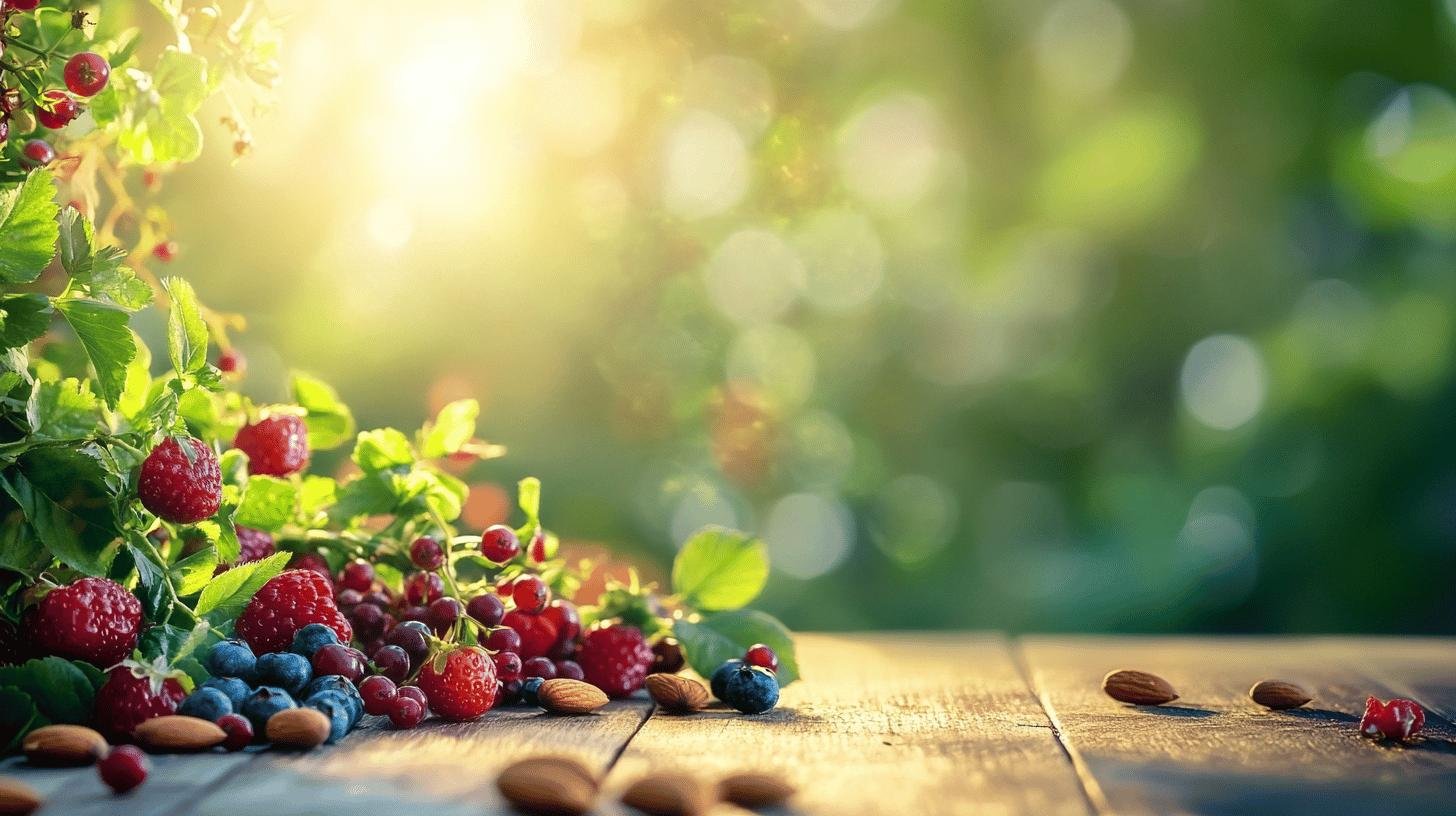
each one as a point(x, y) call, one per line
point(464, 687)
point(615, 659)
point(276, 445)
point(131, 696)
point(287, 603)
point(312, 562)
point(253, 545)
point(93, 619)
point(178, 490)
point(538, 633)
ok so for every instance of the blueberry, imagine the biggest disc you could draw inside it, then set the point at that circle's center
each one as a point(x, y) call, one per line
point(206, 704)
point(311, 638)
point(722, 674)
point(354, 709)
point(332, 705)
point(750, 689)
point(531, 690)
point(232, 658)
point(236, 690)
point(334, 682)
point(289, 671)
point(264, 702)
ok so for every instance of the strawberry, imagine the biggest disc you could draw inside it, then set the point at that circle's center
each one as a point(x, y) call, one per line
point(615, 658)
point(460, 684)
point(132, 694)
point(179, 488)
point(538, 633)
point(287, 603)
point(93, 619)
point(276, 445)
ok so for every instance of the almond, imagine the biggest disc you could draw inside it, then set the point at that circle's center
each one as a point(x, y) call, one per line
point(301, 728)
point(17, 798)
point(178, 734)
point(549, 786)
point(566, 696)
point(679, 695)
point(755, 789)
point(1278, 694)
point(57, 745)
point(668, 793)
point(1138, 688)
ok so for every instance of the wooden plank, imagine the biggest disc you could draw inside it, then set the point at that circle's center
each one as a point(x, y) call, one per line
point(1214, 751)
point(439, 768)
point(924, 724)
point(80, 792)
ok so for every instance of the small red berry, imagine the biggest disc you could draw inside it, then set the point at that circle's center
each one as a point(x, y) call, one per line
point(239, 731)
point(1398, 719)
point(499, 544)
point(537, 633)
point(232, 361)
point(349, 598)
point(667, 657)
point(541, 667)
point(367, 620)
point(86, 74)
point(530, 594)
point(564, 614)
point(56, 109)
point(414, 693)
point(336, 658)
point(38, 153)
point(378, 693)
point(276, 445)
point(426, 553)
point(406, 712)
point(538, 546)
point(487, 609)
point(423, 588)
point(123, 768)
point(392, 662)
point(569, 669)
point(21, 5)
point(761, 655)
point(166, 251)
point(508, 666)
point(503, 639)
point(460, 685)
point(442, 614)
point(357, 575)
point(179, 488)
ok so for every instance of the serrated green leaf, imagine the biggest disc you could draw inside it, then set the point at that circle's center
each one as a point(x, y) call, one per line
point(138, 383)
point(451, 429)
point(100, 272)
point(382, 449)
point(62, 693)
point(268, 503)
point(720, 569)
point(62, 410)
point(151, 582)
point(223, 599)
point(369, 495)
point(180, 81)
point(66, 499)
point(28, 228)
point(710, 640)
point(25, 317)
point(192, 574)
point(107, 340)
point(186, 331)
point(20, 548)
point(329, 421)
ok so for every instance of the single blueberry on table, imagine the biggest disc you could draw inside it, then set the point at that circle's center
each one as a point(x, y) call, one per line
point(531, 691)
point(232, 658)
point(236, 690)
point(721, 674)
point(286, 670)
point(206, 704)
point(311, 638)
point(751, 689)
point(332, 705)
point(263, 703)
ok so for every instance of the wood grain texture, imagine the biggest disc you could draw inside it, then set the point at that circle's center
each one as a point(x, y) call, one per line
point(80, 792)
point(923, 724)
point(1214, 751)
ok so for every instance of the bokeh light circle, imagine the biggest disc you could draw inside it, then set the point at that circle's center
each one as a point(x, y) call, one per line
point(1083, 46)
point(1224, 381)
point(889, 152)
point(754, 276)
point(844, 261)
point(775, 359)
point(704, 165)
point(809, 534)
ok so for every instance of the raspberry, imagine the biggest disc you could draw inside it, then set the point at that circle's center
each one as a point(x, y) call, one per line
point(460, 685)
point(131, 696)
point(123, 768)
point(57, 110)
point(426, 554)
point(615, 659)
point(276, 445)
point(93, 619)
point(530, 593)
point(538, 633)
point(288, 602)
point(761, 655)
point(1398, 719)
point(178, 490)
point(86, 74)
point(313, 563)
point(499, 544)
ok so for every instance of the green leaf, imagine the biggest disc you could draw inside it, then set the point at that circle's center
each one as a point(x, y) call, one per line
point(268, 503)
point(62, 410)
point(528, 496)
point(151, 582)
point(66, 499)
point(25, 317)
point(192, 574)
point(720, 569)
point(28, 229)
point(711, 640)
point(330, 422)
point(186, 331)
point(62, 693)
point(101, 272)
point(316, 495)
point(181, 81)
point(369, 495)
point(109, 344)
point(390, 576)
point(223, 599)
point(138, 383)
point(18, 717)
point(382, 449)
point(452, 428)
point(20, 549)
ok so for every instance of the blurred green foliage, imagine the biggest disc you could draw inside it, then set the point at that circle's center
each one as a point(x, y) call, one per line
point(1039, 315)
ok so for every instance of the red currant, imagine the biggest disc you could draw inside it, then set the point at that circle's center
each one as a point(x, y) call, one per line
point(336, 658)
point(358, 575)
point(423, 588)
point(503, 639)
point(377, 598)
point(487, 609)
point(38, 153)
point(368, 621)
point(507, 666)
point(414, 693)
point(166, 251)
point(499, 544)
point(530, 594)
point(392, 662)
point(442, 614)
point(568, 621)
point(56, 110)
point(413, 637)
point(538, 546)
point(570, 669)
point(238, 729)
point(378, 693)
point(541, 667)
point(425, 553)
point(406, 712)
point(232, 361)
point(349, 597)
point(760, 655)
point(86, 74)
point(124, 768)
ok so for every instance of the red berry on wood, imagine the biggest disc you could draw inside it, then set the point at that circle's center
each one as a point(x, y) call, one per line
point(507, 666)
point(336, 658)
point(406, 712)
point(124, 768)
point(541, 667)
point(504, 639)
point(86, 74)
point(392, 662)
point(238, 729)
point(378, 693)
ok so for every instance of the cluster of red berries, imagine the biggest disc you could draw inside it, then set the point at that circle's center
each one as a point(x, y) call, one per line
point(85, 75)
point(184, 486)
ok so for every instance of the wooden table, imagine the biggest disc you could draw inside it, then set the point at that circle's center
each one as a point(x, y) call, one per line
point(907, 723)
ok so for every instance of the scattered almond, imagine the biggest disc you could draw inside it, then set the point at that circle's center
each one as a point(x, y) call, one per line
point(301, 728)
point(680, 695)
point(566, 696)
point(755, 789)
point(17, 798)
point(56, 745)
point(668, 793)
point(548, 786)
point(1138, 688)
point(175, 733)
point(1278, 694)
